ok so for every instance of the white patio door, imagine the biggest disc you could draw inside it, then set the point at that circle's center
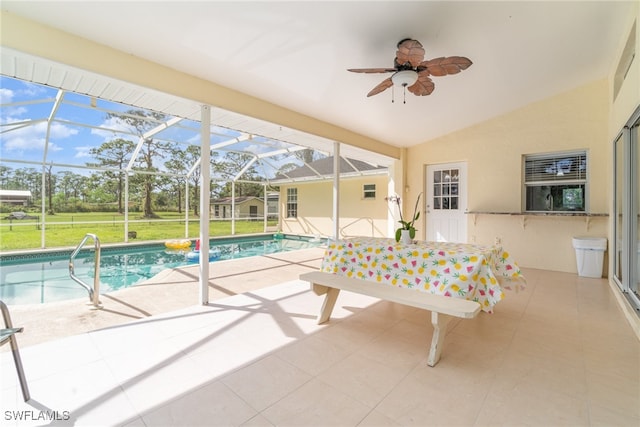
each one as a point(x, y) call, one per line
point(446, 202)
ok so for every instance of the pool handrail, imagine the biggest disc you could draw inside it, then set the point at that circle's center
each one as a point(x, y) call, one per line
point(8, 334)
point(94, 293)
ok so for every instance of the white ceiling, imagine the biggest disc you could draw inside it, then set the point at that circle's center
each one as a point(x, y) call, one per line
point(295, 53)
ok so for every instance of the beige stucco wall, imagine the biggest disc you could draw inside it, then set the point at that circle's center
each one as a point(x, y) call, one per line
point(358, 216)
point(625, 103)
point(493, 150)
point(628, 98)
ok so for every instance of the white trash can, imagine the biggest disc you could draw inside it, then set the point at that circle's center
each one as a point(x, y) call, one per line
point(590, 255)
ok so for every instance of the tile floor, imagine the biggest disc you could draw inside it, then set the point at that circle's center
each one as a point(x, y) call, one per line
point(558, 353)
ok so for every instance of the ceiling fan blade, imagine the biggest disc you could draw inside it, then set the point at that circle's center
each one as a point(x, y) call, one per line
point(411, 52)
point(445, 65)
point(385, 84)
point(423, 86)
point(372, 70)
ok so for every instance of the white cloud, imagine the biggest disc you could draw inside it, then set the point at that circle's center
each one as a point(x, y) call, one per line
point(16, 111)
point(83, 152)
point(32, 138)
point(194, 140)
point(10, 114)
point(32, 90)
point(6, 95)
point(59, 131)
point(114, 125)
point(258, 148)
point(20, 144)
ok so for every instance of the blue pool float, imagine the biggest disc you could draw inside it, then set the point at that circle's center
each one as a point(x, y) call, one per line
point(194, 256)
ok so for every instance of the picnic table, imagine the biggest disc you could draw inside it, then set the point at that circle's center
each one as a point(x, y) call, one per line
point(472, 272)
point(448, 279)
point(19, 215)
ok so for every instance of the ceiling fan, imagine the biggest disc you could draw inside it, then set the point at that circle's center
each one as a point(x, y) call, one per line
point(412, 72)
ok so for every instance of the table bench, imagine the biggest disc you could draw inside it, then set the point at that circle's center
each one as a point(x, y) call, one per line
point(442, 308)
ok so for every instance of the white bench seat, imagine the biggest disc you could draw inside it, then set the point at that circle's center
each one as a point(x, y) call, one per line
point(442, 308)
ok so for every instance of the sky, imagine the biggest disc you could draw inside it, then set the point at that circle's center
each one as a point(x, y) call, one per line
point(80, 124)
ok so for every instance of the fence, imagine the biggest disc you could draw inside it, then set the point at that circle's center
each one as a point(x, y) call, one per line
point(67, 230)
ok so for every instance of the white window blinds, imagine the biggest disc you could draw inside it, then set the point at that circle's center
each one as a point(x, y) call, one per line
point(549, 168)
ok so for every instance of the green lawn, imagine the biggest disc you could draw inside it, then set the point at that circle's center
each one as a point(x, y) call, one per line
point(63, 230)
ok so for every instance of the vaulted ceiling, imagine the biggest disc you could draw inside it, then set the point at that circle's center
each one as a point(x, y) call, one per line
point(296, 54)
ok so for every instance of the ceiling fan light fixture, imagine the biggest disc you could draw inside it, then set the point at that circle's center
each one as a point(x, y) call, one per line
point(411, 71)
point(404, 78)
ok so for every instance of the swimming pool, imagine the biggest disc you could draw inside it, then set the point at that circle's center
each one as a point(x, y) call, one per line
point(42, 278)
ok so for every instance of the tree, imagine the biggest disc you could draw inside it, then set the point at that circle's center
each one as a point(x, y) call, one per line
point(50, 188)
point(98, 191)
point(180, 163)
point(306, 156)
point(22, 179)
point(69, 188)
point(228, 168)
point(115, 154)
point(142, 122)
point(33, 182)
point(5, 176)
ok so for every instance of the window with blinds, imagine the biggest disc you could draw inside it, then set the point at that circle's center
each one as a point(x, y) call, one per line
point(555, 182)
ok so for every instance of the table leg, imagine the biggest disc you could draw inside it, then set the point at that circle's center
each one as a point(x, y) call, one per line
point(439, 322)
point(328, 304)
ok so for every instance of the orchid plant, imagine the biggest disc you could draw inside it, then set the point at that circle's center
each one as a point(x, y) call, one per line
point(406, 225)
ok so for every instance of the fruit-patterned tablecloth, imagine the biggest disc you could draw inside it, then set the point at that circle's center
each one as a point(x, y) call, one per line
point(473, 272)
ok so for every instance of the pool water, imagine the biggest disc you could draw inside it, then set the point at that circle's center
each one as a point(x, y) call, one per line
point(46, 278)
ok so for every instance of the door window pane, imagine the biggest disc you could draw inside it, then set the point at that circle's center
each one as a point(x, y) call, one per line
point(445, 184)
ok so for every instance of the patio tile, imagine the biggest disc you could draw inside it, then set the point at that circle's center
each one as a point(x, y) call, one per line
point(266, 381)
point(260, 359)
point(211, 405)
point(317, 403)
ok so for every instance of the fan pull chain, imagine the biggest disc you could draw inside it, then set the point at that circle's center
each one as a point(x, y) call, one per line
point(404, 94)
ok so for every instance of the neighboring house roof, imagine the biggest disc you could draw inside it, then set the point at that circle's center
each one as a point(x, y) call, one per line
point(15, 193)
point(323, 169)
point(239, 200)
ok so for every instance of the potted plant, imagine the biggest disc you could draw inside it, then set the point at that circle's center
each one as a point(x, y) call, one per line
point(407, 230)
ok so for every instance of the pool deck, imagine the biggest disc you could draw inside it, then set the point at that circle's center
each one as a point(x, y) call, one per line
point(169, 290)
point(559, 353)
